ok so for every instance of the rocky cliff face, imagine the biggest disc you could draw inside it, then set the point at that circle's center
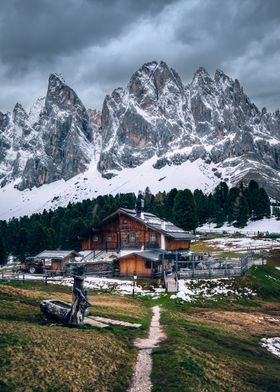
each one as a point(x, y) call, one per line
point(210, 120)
point(52, 142)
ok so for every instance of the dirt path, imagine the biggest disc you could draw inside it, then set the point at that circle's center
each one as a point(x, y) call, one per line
point(141, 377)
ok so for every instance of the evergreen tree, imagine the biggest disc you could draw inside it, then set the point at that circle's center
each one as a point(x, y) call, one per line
point(241, 210)
point(184, 210)
point(232, 196)
point(22, 249)
point(276, 212)
point(148, 199)
point(250, 194)
point(258, 200)
point(3, 253)
point(39, 238)
point(169, 202)
point(201, 202)
point(220, 198)
point(76, 227)
point(264, 204)
point(212, 207)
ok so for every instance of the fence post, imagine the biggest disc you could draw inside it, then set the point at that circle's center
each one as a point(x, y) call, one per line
point(192, 266)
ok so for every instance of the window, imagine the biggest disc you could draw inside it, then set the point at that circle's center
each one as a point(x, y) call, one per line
point(148, 264)
point(125, 221)
point(131, 238)
point(95, 238)
point(153, 238)
point(109, 238)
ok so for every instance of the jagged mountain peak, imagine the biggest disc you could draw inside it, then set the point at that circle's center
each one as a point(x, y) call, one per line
point(222, 80)
point(202, 82)
point(201, 76)
point(60, 94)
point(152, 80)
point(56, 79)
point(211, 122)
point(211, 119)
point(19, 115)
point(201, 72)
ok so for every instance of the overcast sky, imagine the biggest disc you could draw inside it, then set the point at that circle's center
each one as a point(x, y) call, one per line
point(97, 44)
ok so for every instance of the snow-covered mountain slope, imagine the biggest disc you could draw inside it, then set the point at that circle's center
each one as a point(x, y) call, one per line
point(155, 132)
point(90, 184)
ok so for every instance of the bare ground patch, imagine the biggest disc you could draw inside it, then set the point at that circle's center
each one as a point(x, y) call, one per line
point(254, 323)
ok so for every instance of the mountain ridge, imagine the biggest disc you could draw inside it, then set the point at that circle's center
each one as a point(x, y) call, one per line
point(156, 119)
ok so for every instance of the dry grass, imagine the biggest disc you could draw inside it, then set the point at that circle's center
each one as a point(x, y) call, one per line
point(215, 350)
point(202, 246)
point(105, 304)
point(255, 323)
point(38, 357)
point(117, 306)
point(44, 358)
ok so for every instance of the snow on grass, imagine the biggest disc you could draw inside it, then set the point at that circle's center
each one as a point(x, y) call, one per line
point(191, 290)
point(272, 345)
point(241, 243)
point(116, 285)
point(265, 319)
point(271, 225)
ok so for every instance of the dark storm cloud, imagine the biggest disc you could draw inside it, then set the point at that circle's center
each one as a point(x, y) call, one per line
point(98, 44)
point(36, 30)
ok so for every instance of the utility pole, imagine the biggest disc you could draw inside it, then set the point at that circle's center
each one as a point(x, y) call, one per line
point(176, 270)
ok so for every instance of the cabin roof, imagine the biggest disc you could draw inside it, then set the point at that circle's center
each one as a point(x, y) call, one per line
point(157, 224)
point(152, 255)
point(55, 254)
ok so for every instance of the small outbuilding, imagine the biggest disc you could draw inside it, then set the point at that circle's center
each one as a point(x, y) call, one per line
point(57, 260)
point(144, 264)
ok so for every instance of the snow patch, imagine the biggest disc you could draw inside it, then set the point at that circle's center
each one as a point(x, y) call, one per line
point(270, 225)
point(272, 345)
point(190, 290)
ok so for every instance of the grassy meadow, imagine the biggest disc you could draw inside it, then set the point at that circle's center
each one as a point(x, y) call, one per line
point(211, 345)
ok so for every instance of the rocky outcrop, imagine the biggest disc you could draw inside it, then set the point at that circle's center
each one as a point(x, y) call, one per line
point(210, 119)
point(52, 142)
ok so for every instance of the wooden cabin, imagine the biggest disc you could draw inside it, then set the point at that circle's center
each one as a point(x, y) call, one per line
point(138, 240)
point(130, 230)
point(57, 260)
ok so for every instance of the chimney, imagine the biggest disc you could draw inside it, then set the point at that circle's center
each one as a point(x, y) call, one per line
point(162, 236)
point(139, 207)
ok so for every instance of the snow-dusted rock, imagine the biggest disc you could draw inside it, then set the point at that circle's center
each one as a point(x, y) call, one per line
point(210, 125)
point(155, 115)
point(53, 142)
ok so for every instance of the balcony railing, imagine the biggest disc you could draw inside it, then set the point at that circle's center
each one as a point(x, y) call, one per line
point(118, 245)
